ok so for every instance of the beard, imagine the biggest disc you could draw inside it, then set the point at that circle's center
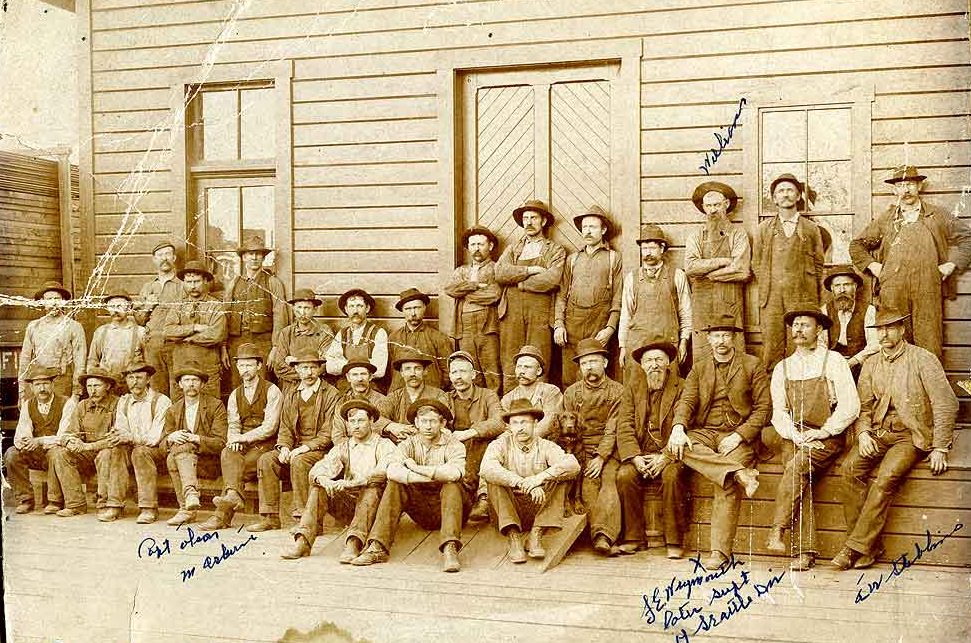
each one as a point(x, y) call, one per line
point(655, 380)
point(844, 302)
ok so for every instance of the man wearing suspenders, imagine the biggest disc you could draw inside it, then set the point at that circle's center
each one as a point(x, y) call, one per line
point(359, 339)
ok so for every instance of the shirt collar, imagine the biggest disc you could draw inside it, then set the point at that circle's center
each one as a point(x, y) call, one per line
point(603, 245)
point(371, 439)
point(172, 276)
point(794, 219)
point(897, 353)
point(313, 387)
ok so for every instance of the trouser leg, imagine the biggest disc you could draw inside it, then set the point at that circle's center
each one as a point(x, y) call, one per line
point(503, 503)
point(235, 465)
point(313, 515)
point(157, 356)
point(550, 514)
point(773, 331)
point(112, 468)
point(605, 517)
point(300, 476)
point(630, 488)
point(365, 511)
point(727, 501)
point(855, 474)
point(17, 465)
point(512, 336)
point(674, 502)
point(144, 462)
point(705, 459)
point(474, 450)
point(268, 471)
point(452, 510)
point(388, 514)
point(67, 468)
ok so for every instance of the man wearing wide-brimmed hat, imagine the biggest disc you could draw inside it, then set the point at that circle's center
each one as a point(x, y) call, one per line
point(717, 259)
point(118, 342)
point(530, 271)
point(907, 413)
point(474, 288)
point(305, 333)
point(528, 477)
point(54, 341)
point(418, 336)
point(195, 329)
point(851, 334)
point(360, 338)
point(303, 438)
point(256, 303)
point(154, 301)
point(44, 416)
point(916, 251)
point(814, 400)
point(594, 400)
point(656, 299)
point(358, 374)
point(529, 364)
point(588, 301)
point(651, 392)
point(412, 366)
point(787, 259)
point(90, 444)
point(253, 414)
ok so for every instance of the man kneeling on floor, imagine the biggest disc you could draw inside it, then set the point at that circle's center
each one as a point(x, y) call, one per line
point(528, 478)
point(347, 483)
point(425, 481)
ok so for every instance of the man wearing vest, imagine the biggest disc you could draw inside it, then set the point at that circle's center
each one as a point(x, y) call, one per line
point(788, 265)
point(253, 414)
point(412, 367)
point(195, 329)
point(415, 335)
point(304, 334)
point(916, 251)
point(529, 367)
point(89, 445)
point(588, 301)
point(530, 272)
point(721, 412)
point(155, 299)
point(473, 287)
point(347, 483)
point(850, 333)
point(303, 438)
point(814, 399)
point(44, 417)
point(194, 434)
point(256, 303)
point(54, 341)
point(359, 339)
point(117, 343)
point(358, 375)
point(717, 261)
point(140, 421)
point(656, 301)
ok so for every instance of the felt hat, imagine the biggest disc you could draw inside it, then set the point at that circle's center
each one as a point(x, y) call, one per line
point(724, 321)
point(37, 372)
point(786, 178)
point(49, 286)
point(305, 356)
point(411, 295)
point(479, 230)
point(195, 267)
point(253, 243)
point(139, 367)
point(163, 244)
point(531, 351)
point(304, 294)
point(355, 403)
point(536, 206)
point(845, 270)
point(815, 313)
point(410, 355)
point(595, 211)
point(191, 368)
point(660, 344)
point(522, 406)
point(905, 173)
point(121, 294)
point(97, 373)
point(589, 346)
point(421, 402)
point(359, 363)
point(248, 351)
point(887, 316)
point(463, 355)
point(652, 232)
point(713, 186)
point(354, 292)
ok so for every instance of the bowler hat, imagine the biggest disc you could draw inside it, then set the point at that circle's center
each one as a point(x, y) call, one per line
point(724, 321)
point(354, 292)
point(421, 402)
point(479, 230)
point(887, 316)
point(305, 356)
point(594, 211)
point(652, 232)
point(163, 244)
point(248, 351)
point(97, 373)
point(37, 372)
point(411, 295)
point(905, 173)
point(522, 406)
point(815, 313)
point(844, 270)
point(786, 178)
point(463, 355)
point(191, 368)
point(253, 243)
point(698, 197)
point(195, 267)
point(139, 367)
point(359, 363)
point(589, 346)
point(531, 351)
point(304, 294)
point(536, 206)
point(356, 403)
point(659, 344)
point(54, 286)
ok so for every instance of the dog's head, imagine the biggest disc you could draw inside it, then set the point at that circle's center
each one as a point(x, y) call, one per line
point(565, 427)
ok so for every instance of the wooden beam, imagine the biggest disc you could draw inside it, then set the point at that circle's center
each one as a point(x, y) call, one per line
point(67, 5)
point(559, 544)
point(64, 209)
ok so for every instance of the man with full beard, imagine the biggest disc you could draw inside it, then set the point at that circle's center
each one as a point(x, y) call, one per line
point(851, 334)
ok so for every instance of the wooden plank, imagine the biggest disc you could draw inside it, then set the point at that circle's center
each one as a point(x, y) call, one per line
point(138, 201)
point(373, 217)
point(157, 159)
point(152, 181)
point(946, 103)
point(377, 152)
point(417, 194)
point(338, 261)
point(385, 86)
point(115, 142)
point(950, 128)
point(134, 99)
point(372, 109)
point(376, 174)
point(952, 153)
point(389, 131)
point(688, 164)
point(559, 542)
point(143, 120)
point(374, 283)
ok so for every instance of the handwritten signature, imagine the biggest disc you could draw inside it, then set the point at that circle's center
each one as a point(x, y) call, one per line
point(901, 564)
point(150, 547)
point(712, 155)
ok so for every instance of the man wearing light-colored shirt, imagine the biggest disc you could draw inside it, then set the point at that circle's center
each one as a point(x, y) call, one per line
point(117, 343)
point(852, 334)
point(54, 341)
point(358, 376)
point(359, 339)
point(530, 366)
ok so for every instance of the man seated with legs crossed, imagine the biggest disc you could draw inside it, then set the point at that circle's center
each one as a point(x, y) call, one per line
point(528, 478)
point(425, 481)
point(347, 483)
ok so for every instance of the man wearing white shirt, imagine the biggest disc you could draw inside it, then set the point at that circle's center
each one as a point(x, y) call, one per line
point(814, 399)
point(359, 339)
point(851, 334)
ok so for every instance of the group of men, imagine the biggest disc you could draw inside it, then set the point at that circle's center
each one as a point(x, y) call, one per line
point(367, 425)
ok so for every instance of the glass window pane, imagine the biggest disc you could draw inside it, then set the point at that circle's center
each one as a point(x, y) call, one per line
point(257, 124)
point(831, 183)
point(219, 135)
point(222, 218)
point(840, 229)
point(829, 134)
point(258, 216)
point(783, 136)
point(772, 170)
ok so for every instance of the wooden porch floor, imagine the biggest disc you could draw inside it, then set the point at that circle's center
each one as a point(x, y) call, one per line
point(76, 579)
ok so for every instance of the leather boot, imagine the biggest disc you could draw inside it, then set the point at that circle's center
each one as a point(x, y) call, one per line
point(774, 541)
point(749, 479)
point(517, 553)
point(299, 549)
point(266, 523)
point(450, 558)
point(535, 545)
point(352, 549)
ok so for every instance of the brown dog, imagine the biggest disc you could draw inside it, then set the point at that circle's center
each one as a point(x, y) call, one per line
point(564, 432)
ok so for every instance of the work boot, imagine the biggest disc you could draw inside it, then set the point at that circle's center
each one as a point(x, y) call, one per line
point(749, 479)
point(147, 516)
point(803, 562)
point(845, 559)
point(480, 510)
point(182, 517)
point(715, 561)
point(266, 523)
point(630, 547)
point(675, 551)
point(192, 500)
point(352, 549)
point(230, 501)
point(867, 560)
point(25, 507)
point(601, 545)
point(774, 541)
point(375, 553)
point(517, 554)
point(67, 512)
point(216, 521)
point(109, 514)
point(51, 509)
point(535, 545)
point(450, 558)
point(299, 549)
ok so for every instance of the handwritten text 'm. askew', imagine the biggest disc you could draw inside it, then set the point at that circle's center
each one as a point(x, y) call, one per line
point(721, 142)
